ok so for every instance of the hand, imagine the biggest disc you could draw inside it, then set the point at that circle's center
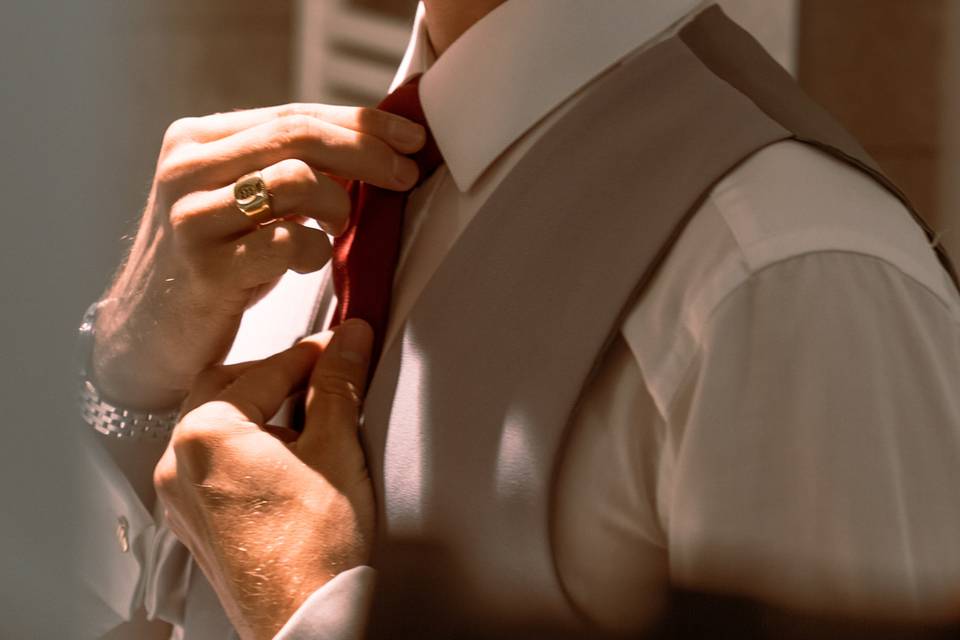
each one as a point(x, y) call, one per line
point(270, 515)
point(198, 262)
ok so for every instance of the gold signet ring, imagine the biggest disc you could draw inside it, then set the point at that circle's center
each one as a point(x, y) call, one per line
point(253, 198)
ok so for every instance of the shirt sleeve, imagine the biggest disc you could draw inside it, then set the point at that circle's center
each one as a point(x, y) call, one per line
point(336, 611)
point(118, 536)
point(815, 441)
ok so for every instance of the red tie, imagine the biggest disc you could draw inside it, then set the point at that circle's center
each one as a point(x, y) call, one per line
point(365, 257)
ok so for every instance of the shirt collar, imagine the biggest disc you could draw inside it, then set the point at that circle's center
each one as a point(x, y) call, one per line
point(517, 64)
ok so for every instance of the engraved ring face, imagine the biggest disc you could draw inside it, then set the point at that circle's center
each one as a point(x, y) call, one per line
point(253, 198)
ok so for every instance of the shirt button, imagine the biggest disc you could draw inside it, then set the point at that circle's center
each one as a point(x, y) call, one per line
point(123, 538)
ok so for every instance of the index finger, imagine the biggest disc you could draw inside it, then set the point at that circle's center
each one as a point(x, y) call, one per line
point(261, 390)
point(322, 145)
point(402, 134)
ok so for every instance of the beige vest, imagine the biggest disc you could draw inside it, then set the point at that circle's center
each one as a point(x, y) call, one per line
point(468, 409)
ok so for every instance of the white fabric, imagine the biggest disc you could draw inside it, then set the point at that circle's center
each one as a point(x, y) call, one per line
point(525, 59)
point(295, 291)
point(783, 398)
point(781, 412)
point(338, 610)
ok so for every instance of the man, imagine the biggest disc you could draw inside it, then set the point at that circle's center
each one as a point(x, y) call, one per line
point(628, 344)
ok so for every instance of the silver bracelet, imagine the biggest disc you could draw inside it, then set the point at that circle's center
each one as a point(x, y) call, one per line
point(117, 422)
point(104, 417)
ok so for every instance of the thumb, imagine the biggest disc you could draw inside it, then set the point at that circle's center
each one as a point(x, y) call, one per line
point(262, 387)
point(335, 394)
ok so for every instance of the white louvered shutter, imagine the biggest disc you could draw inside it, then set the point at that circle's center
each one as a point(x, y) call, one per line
point(348, 50)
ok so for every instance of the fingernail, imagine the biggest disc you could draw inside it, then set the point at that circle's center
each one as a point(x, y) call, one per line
point(354, 341)
point(321, 338)
point(405, 172)
point(407, 133)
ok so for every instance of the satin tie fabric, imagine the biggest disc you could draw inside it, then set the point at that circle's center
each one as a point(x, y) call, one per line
point(365, 257)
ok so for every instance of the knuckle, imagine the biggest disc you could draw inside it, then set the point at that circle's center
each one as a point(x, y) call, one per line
point(293, 109)
point(365, 142)
point(281, 237)
point(185, 218)
point(179, 131)
point(165, 477)
point(194, 438)
point(368, 151)
point(379, 122)
point(336, 208)
point(369, 118)
point(172, 168)
point(180, 214)
point(282, 250)
point(259, 260)
point(296, 128)
point(378, 152)
point(291, 173)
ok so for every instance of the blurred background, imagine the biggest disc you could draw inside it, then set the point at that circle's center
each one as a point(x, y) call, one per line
point(89, 87)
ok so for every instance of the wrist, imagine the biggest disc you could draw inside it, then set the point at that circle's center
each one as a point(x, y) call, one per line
point(123, 364)
point(268, 614)
point(267, 586)
point(130, 379)
point(147, 355)
point(109, 418)
point(125, 386)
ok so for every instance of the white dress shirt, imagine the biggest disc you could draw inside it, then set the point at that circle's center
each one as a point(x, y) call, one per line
point(780, 414)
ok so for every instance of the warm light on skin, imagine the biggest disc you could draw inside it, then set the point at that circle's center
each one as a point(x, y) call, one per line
point(447, 20)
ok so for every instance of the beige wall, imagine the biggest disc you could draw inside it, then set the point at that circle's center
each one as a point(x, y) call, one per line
point(949, 173)
point(195, 57)
point(189, 58)
point(888, 70)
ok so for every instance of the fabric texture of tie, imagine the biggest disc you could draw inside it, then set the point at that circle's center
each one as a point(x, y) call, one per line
point(365, 257)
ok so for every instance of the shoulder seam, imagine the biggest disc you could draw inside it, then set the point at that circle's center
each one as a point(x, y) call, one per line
point(952, 311)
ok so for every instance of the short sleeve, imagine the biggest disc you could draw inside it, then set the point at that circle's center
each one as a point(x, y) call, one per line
point(816, 440)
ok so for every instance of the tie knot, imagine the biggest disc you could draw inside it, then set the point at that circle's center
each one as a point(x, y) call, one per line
point(405, 102)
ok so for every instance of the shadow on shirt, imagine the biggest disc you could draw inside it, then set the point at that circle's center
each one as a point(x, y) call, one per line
point(413, 601)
